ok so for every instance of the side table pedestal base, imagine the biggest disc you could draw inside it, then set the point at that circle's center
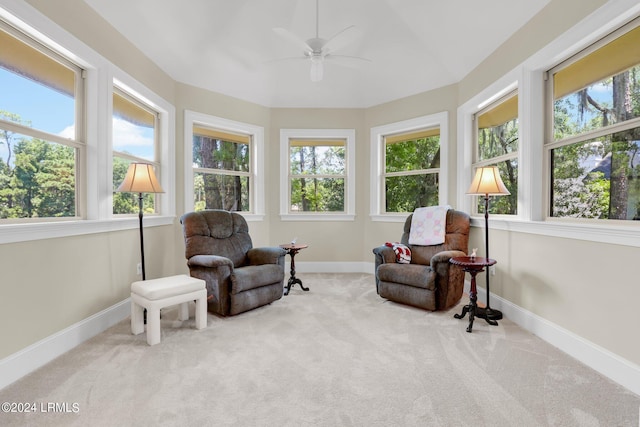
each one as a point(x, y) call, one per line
point(473, 266)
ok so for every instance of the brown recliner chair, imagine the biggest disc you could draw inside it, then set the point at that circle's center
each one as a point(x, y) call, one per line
point(219, 251)
point(429, 281)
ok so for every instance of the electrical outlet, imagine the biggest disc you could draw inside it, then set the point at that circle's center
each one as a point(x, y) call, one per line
point(492, 270)
point(139, 269)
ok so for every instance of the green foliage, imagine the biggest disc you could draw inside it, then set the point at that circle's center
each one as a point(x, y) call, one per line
point(415, 154)
point(128, 203)
point(317, 184)
point(498, 140)
point(224, 189)
point(411, 182)
point(609, 189)
point(37, 178)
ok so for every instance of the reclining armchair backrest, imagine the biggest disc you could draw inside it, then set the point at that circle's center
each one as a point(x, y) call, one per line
point(217, 232)
point(456, 238)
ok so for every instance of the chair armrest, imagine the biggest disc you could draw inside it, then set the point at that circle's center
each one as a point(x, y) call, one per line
point(266, 255)
point(444, 257)
point(449, 278)
point(210, 261)
point(384, 254)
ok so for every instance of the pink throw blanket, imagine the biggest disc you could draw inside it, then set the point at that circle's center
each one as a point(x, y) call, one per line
point(428, 225)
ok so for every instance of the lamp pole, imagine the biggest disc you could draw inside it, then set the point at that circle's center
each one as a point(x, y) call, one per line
point(141, 235)
point(140, 178)
point(492, 315)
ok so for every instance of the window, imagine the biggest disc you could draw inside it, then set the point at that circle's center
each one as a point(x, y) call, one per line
point(134, 140)
point(497, 145)
point(221, 170)
point(316, 177)
point(41, 134)
point(593, 137)
point(224, 165)
point(411, 170)
point(406, 159)
point(55, 133)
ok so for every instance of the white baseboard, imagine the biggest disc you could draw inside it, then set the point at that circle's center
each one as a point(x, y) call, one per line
point(609, 364)
point(27, 360)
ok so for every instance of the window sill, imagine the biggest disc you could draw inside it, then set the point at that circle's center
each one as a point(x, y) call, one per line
point(615, 234)
point(401, 217)
point(13, 233)
point(317, 217)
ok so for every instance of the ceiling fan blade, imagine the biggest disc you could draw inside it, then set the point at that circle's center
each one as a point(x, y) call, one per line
point(286, 34)
point(346, 60)
point(286, 59)
point(341, 39)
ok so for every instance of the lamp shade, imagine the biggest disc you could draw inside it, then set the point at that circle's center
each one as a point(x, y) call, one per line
point(487, 181)
point(140, 178)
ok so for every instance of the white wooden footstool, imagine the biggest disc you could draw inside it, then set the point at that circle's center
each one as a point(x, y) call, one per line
point(155, 294)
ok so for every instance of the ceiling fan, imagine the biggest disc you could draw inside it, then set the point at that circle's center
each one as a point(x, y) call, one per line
point(317, 49)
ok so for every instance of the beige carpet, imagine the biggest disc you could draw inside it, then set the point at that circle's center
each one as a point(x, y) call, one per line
point(338, 355)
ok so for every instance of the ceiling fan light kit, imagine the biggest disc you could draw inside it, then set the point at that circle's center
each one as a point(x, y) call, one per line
point(317, 68)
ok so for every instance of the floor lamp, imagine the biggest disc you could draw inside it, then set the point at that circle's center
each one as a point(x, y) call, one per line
point(487, 182)
point(140, 178)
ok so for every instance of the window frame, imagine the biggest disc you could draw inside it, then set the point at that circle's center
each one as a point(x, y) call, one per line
point(550, 143)
point(529, 77)
point(349, 136)
point(96, 175)
point(503, 96)
point(78, 143)
point(257, 173)
point(378, 167)
point(132, 158)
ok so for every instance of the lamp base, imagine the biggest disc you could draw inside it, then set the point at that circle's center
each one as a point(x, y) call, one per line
point(489, 314)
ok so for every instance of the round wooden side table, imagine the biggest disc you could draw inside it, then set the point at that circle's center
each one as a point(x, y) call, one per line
point(473, 266)
point(292, 249)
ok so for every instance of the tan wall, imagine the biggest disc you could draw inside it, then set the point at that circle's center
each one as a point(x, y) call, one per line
point(328, 240)
point(432, 102)
point(587, 288)
point(49, 285)
point(553, 20)
point(81, 21)
point(214, 104)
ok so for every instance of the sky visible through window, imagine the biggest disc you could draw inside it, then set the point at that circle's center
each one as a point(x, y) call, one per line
point(53, 112)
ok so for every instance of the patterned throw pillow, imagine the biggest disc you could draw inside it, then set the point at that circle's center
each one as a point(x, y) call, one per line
point(403, 253)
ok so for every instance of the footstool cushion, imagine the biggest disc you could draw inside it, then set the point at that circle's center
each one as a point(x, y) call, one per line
point(166, 287)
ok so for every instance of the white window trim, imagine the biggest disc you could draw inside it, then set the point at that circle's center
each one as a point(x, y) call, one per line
point(257, 159)
point(533, 176)
point(378, 133)
point(97, 173)
point(502, 94)
point(349, 135)
point(165, 137)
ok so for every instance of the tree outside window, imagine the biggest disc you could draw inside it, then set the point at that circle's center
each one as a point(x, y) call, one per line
point(134, 136)
point(221, 170)
point(497, 144)
point(412, 168)
point(40, 147)
point(317, 175)
point(594, 140)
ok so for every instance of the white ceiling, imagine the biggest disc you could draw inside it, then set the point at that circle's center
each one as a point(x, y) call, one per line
point(229, 46)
